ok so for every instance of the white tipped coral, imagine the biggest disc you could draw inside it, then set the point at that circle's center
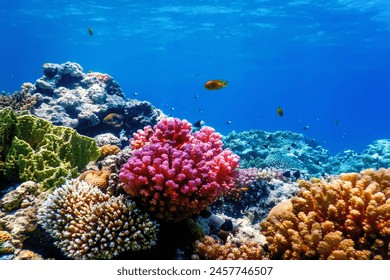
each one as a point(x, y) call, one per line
point(89, 224)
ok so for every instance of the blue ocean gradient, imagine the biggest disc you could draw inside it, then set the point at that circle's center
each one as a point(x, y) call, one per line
point(326, 63)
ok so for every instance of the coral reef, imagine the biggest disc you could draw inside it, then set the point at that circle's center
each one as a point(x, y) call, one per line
point(110, 139)
point(212, 249)
point(23, 100)
point(92, 103)
point(22, 204)
point(256, 192)
point(88, 224)
point(287, 150)
point(6, 246)
point(280, 150)
point(109, 149)
point(343, 218)
point(34, 149)
point(376, 155)
point(27, 255)
point(97, 178)
point(175, 173)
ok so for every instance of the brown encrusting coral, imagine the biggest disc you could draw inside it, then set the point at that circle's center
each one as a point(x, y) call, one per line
point(97, 178)
point(344, 218)
point(109, 149)
point(211, 249)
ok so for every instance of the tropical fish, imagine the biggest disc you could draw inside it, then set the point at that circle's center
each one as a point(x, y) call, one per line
point(199, 124)
point(297, 174)
point(215, 84)
point(90, 31)
point(279, 110)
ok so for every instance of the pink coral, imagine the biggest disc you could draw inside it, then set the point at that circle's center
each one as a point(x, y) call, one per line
point(176, 173)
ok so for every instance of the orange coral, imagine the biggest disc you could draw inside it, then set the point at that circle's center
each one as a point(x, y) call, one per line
point(345, 218)
point(6, 246)
point(5, 236)
point(209, 248)
point(97, 178)
point(109, 149)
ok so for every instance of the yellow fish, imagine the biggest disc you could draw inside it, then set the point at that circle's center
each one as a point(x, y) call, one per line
point(279, 110)
point(215, 84)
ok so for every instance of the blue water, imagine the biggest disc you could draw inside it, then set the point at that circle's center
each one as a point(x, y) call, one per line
point(325, 62)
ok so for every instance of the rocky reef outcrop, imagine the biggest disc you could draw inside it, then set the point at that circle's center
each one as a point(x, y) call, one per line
point(92, 103)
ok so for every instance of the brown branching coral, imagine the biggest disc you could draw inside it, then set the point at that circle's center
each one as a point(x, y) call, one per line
point(345, 218)
point(211, 249)
point(20, 100)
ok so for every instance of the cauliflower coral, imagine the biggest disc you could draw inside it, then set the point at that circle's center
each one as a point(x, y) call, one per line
point(345, 218)
point(176, 173)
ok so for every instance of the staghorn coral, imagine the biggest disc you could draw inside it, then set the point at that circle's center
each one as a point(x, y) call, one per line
point(343, 218)
point(176, 173)
point(88, 224)
point(34, 149)
point(211, 249)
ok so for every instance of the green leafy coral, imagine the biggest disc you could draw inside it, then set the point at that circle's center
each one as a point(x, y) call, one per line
point(34, 149)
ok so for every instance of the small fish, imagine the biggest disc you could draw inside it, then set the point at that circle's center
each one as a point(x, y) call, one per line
point(306, 127)
point(90, 31)
point(196, 96)
point(100, 165)
point(172, 109)
point(227, 225)
point(297, 174)
point(337, 122)
point(135, 93)
point(287, 174)
point(215, 84)
point(200, 110)
point(279, 110)
point(228, 122)
point(199, 124)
